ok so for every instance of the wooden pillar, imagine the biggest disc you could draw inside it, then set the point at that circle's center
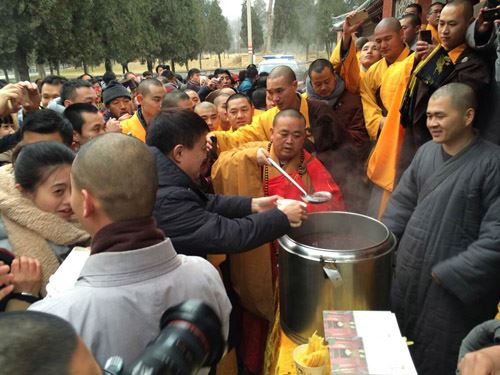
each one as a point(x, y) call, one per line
point(387, 8)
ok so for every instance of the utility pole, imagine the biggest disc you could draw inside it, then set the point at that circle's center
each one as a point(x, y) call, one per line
point(249, 32)
point(269, 22)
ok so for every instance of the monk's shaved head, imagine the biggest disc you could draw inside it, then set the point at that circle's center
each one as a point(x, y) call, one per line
point(462, 96)
point(293, 113)
point(283, 71)
point(144, 87)
point(389, 38)
point(465, 6)
point(390, 23)
point(120, 173)
point(221, 98)
point(204, 105)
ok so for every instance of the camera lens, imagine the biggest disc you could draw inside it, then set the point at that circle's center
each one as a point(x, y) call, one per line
point(190, 338)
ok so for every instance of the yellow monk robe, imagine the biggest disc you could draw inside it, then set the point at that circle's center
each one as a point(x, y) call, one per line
point(258, 130)
point(348, 68)
point(383, 162)
point(236, 172)
point(378, 87)
point(257, 112)
point(239, 176)
point(133, 126)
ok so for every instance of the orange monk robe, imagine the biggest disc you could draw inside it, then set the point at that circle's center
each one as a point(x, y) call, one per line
point(378, 88)
point(258, 130)
point(383, 162)
point(348, 67)
point(133, 127)
point(237, 172)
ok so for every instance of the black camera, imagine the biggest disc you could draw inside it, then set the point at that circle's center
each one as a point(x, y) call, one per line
point(190, 338)
point(491, 15)
point(492, 3)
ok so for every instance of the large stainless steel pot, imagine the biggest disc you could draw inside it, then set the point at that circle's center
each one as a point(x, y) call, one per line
point(334, 261)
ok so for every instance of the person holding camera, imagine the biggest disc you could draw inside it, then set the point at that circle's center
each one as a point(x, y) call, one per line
point(483, 35)
point(133, 273)
point(422, 73)
point(221, 79)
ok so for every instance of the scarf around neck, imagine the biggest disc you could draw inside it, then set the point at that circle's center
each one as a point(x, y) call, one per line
point(126, 235)
point(332, 99)
point(31, 230)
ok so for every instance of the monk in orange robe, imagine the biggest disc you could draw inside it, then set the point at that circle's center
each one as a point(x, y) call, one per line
point(245, 171)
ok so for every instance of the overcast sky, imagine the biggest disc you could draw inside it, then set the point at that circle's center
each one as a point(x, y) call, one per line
point(232, 8)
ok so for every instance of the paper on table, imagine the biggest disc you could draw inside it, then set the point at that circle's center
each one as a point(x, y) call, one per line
point(371, 339)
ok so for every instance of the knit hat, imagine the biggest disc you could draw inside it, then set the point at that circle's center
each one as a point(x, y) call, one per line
point(114, 90)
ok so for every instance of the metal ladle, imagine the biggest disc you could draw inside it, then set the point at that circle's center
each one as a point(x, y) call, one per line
point(317, 197)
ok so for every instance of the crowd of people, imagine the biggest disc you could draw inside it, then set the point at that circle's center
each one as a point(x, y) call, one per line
point(121, 197)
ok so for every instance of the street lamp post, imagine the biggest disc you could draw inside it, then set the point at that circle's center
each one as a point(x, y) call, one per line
point(249, 32)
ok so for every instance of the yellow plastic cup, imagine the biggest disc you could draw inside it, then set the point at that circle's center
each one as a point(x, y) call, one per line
point(305, 370)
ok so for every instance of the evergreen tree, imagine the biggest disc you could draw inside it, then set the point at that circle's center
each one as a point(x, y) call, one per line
point(61, 33)
point(257, 32)
point(260, 9)
point(120, 28)
point(18, 32)
point(325, 10)
point(218, 30)
point(203, 36)
point(306, 34)
point(184, 42)
point(286, 21)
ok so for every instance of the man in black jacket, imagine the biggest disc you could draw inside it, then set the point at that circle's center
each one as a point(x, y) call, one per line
point(199, 223)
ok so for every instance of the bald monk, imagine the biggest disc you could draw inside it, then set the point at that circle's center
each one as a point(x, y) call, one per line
point(445, 212)
point(208, 112)
point(406, 127)
point(240, 110)
point(150, 95)
point(467, 67)
point(380, 81)
point(220, 103)
point(246, 171)
point(133, 273)
point(324, 131)
point(369, 55)
point(349, 65)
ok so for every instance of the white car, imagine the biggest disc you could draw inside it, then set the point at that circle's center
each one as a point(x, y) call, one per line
point(272, 61)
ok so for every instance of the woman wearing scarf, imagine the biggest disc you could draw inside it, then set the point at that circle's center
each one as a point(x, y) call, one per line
point(35, 211)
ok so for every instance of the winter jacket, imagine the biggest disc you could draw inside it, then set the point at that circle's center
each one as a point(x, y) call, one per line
point(200, 224)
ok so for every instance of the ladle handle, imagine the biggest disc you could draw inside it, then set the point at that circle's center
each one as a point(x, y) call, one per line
point(288, 177)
